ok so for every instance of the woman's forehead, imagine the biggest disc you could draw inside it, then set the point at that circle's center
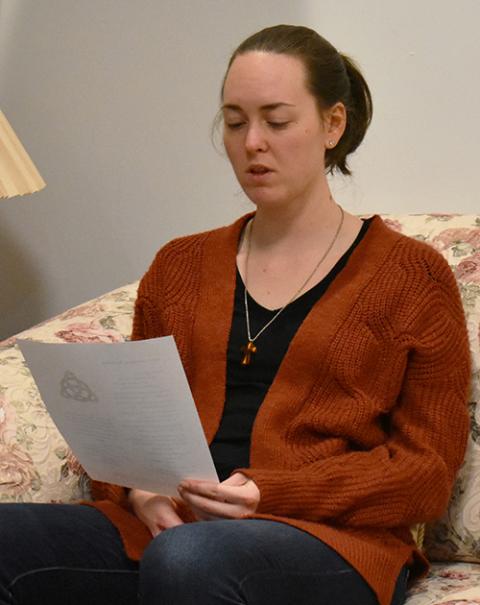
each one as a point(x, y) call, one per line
point(266, 78)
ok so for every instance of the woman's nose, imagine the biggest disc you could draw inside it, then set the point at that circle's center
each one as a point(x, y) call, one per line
point(255, 139)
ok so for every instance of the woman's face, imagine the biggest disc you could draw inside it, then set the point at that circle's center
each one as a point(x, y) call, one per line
point(274, 135)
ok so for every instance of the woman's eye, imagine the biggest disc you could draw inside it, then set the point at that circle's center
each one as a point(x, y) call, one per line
point(234, 125)
point(278, 125)
point(271, 124)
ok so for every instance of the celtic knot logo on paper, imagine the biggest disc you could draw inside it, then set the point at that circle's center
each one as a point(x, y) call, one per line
point(72, 387)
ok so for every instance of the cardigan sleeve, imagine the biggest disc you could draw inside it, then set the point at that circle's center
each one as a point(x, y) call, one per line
point(408, 478)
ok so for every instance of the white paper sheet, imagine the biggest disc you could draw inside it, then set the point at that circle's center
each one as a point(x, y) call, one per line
point(125, 409)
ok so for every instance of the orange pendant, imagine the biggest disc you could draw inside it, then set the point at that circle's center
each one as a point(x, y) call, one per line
point(248, 351)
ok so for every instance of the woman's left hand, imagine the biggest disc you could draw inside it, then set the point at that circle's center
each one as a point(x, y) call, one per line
point(236, 497)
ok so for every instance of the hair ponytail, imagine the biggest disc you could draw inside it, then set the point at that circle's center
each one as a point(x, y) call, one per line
point(358, 103)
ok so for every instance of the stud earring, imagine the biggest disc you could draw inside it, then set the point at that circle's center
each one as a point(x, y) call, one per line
point(331, 143)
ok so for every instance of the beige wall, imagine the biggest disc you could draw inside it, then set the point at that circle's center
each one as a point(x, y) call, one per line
point(114, 100)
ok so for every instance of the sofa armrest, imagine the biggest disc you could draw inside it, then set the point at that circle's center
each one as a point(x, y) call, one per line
point(36, 465)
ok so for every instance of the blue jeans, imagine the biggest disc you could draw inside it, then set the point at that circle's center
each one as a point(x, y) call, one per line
point(67, 554)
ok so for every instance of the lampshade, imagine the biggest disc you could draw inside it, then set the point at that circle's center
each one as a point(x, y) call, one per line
point(18, 174)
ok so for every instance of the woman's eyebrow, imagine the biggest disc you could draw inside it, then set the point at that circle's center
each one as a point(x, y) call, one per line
point(267, 107)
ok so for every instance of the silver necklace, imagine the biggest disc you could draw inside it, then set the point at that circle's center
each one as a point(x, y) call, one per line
point(251, 348)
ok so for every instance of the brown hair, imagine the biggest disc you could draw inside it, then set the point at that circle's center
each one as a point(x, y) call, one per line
point(331, 77)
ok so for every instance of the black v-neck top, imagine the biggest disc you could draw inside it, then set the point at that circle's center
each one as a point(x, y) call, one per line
point(246, 386)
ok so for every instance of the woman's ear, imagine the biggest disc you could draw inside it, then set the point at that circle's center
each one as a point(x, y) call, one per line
point(335, 122)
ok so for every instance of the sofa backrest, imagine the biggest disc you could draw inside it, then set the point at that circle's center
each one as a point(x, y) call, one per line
point(456, 537)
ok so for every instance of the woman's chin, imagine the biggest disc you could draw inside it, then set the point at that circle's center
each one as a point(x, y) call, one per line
point(264, 197)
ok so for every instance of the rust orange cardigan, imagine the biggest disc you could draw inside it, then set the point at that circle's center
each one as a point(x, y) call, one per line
point(365, 424)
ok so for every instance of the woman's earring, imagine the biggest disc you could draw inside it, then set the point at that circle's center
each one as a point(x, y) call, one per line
point(331, 143)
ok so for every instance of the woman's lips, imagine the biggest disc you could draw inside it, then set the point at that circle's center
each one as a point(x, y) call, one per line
point(258, 173)
point(258, 168)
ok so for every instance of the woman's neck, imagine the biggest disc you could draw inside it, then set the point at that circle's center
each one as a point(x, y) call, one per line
point(279, 227)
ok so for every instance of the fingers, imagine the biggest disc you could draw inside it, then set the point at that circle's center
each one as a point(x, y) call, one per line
point(207, 489)
point(207, 508)
point(236, 479)
point(236, 497)
point(235, 490)
point(165, 522)
point(167, 517)
point(155, 530)
point(220, 492)
point(157, 512)
point(164, 518)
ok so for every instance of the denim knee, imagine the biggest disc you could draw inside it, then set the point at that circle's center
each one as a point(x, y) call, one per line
point(176, 553)
point(180, 563)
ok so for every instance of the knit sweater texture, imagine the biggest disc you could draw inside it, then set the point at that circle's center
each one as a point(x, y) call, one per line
point(365, 424)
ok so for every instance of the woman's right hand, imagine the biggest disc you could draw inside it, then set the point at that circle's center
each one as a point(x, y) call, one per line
point(156, 511)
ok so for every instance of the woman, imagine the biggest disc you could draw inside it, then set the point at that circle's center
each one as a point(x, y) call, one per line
point(329, 362)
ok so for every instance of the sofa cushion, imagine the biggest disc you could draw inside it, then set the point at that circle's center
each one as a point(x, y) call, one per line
point(36, 465)
point(447, 584)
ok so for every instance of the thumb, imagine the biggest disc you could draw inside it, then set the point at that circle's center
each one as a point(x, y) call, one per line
point(154, 529)
point(169, 519)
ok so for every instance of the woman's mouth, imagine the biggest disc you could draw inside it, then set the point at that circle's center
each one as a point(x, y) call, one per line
point(258, 169)
point(258, 173)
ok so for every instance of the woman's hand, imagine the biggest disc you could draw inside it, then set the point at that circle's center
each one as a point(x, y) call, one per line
point(156, 511)
point(236, 497)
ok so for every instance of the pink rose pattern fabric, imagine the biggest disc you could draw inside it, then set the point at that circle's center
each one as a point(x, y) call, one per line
point(88, 332)
point(447, 584)
point(468, 270)
point(36, 465)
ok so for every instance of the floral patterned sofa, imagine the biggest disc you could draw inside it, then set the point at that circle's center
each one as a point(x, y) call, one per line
point(36, 465)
